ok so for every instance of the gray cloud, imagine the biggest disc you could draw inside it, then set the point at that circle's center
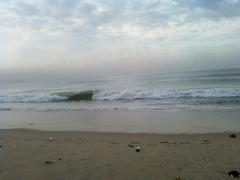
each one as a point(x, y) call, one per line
point(94, 13)
point(103, 29)
point(213, 9)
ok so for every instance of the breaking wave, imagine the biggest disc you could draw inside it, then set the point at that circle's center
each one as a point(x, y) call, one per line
point(123, 95)
point(169, 93)
point(31, 98)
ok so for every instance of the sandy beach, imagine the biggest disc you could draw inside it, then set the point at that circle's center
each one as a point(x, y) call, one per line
point(29, 154)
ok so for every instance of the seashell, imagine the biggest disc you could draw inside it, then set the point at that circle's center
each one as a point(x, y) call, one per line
point(51, 139)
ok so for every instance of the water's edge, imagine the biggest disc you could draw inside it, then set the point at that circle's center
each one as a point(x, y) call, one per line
point(125, 122)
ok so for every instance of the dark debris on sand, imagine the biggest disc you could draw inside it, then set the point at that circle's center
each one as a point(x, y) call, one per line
point(131, 146)
point(49, 162)
point(233, 135)
point(233, 174)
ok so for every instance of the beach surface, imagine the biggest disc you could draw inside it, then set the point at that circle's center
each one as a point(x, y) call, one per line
point(30, 154)
point(123, 121)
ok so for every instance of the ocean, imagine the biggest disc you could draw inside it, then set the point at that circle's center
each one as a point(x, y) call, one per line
point(209, 90)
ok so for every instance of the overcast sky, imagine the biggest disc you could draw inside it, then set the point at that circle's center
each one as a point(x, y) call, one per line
point(118, 35)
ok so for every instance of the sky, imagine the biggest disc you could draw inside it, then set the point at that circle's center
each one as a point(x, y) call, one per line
point(118, 36)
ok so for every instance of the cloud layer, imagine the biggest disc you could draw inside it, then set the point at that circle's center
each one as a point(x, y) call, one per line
point(119, 33)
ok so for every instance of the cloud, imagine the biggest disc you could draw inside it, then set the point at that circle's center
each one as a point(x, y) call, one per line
point(213, 9)
point(61, 15)
point(32, 30)
point(200, 30)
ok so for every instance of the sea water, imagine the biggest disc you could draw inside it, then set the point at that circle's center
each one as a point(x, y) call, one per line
point(209, 90)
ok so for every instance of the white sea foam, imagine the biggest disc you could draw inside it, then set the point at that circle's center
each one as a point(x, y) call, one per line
point(31, 98)
point(129, 95)
point(169, 93)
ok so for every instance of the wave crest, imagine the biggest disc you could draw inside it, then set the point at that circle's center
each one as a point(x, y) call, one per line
point(32, 98)
point(170, 93)
point(123, 95)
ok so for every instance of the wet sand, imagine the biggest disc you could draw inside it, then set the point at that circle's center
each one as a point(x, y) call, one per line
point(123, 121)
point(29, 154)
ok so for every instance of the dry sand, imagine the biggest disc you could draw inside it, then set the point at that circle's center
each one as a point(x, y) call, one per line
point(107, 156)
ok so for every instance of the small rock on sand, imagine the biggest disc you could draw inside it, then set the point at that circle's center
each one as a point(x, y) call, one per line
point(131, 145)
point(49, 162)
point(138, 149)
point(51, 139)
point(233, 136)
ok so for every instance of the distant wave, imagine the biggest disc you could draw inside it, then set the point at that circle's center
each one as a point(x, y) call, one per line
point(123, 95)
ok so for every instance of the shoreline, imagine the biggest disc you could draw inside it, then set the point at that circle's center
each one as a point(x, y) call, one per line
point(31, 154)
point(125, 122)
point(120, 133)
